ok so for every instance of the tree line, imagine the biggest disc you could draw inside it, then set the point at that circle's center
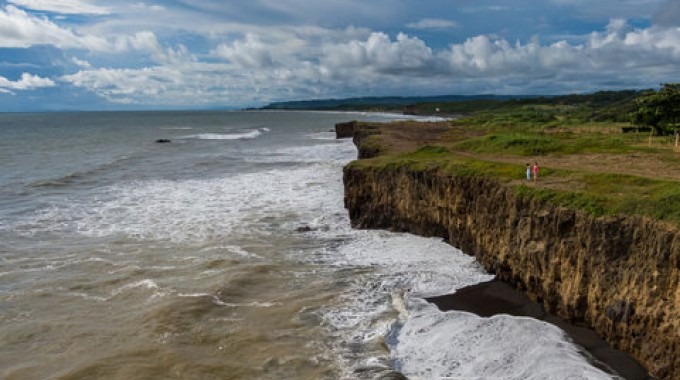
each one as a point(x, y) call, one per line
point(659, 109)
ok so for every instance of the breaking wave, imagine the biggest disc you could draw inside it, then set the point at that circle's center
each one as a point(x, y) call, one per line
point(253, 134)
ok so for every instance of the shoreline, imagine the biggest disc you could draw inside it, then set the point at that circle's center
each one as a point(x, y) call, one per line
point(496, 297)
point(587, 248)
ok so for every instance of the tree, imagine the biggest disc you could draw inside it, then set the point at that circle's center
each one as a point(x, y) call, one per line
point(659, 109)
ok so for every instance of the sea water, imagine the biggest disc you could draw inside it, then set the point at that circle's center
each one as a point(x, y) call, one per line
point(227, 254)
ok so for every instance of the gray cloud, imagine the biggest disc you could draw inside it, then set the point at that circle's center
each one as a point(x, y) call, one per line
point(668, 15)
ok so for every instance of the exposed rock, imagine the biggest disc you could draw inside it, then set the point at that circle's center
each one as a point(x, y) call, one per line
point(619, 275)
point(345, 130)
point(620, 311)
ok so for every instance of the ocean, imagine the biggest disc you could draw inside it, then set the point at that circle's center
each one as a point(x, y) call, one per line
point(227, 254)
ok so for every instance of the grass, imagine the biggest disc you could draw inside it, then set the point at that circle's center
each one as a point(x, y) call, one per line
point(498, 143)
point(538, 144)
point(597, 193)
point(522, 144)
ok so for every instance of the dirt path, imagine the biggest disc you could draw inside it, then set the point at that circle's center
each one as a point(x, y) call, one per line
point(637, 164)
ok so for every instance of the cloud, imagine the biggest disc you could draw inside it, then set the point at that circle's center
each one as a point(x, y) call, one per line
point(147, 42)
point(432, 23)
point(144, 6)
point(26, 82)
point(380, 54)
point(310, 63)
point(249, 53)
point(668, 14)
point(81, 63)
point(620, 51)
point(19, 29)
point(62, 6)
point(22, 30)
point(179, 55)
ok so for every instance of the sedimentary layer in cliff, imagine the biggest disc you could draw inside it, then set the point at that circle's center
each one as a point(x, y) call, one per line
point(619, 275)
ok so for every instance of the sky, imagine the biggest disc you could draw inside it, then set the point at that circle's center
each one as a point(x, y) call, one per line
point(196, 54)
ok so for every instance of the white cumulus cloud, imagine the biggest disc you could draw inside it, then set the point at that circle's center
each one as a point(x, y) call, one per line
point(379, 53)
point(26, 82)
point(315, 63)
point(248, 54)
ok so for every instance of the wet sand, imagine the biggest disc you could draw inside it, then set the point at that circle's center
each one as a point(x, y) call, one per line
point(495, 297)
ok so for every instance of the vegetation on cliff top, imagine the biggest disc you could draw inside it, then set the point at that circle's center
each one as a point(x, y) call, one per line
point(601, 166)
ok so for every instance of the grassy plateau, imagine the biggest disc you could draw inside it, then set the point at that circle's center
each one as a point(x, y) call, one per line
point(587, 161)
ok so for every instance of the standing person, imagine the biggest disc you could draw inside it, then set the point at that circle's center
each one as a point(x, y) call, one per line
point(528, 172)
point(535, 170)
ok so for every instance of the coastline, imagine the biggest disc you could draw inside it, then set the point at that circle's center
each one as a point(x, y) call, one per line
point(496, 297)
point(618, 274)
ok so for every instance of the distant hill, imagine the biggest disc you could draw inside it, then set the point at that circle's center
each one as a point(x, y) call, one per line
point(597, 106)
point(387, 102)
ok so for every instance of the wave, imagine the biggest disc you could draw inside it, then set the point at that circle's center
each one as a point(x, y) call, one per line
point(193, 210)
point(386, 305)
point(501, 346)
point(228, 136)
point(81, 176)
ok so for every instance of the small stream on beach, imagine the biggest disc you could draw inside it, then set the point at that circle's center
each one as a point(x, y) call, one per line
point(227, 254)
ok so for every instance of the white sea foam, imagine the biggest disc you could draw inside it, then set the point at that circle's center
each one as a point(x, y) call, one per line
point(433, 344)
point(399, 116)
point(228, 136)
point(88, 297)
point(426, 343)
point(145, 284)
point(328, 153)
point(195, 209)
point(219, 302)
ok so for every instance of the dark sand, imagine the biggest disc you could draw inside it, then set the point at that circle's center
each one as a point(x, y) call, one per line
point(495, 297)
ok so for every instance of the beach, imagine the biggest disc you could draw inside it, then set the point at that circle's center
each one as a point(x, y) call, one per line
point(495, 297)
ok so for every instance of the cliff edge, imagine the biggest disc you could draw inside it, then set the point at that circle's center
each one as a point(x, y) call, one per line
point(618, 274)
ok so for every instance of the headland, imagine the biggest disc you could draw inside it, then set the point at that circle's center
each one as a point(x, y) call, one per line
point(593, 240)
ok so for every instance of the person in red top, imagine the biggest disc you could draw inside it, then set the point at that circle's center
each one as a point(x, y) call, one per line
point(535, 171)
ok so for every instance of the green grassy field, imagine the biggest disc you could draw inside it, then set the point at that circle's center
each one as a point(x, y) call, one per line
point(590, 165)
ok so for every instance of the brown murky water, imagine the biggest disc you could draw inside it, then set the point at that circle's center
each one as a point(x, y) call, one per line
point(125, 259)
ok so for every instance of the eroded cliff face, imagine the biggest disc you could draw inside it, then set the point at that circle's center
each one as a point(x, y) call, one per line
point(618, 275)
point(345, 130)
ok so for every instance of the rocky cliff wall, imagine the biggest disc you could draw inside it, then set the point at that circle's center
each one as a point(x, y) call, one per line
point(619, 275)
point(345, 130)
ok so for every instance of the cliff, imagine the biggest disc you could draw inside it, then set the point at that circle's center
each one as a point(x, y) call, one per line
point(345, 130)
point(619, 275)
